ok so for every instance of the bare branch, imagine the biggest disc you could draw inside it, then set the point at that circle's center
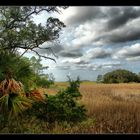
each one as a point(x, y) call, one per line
point(23, 53)
point(44, 56)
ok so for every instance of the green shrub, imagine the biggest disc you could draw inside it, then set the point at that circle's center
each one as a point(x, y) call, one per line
point(73, 88)
point(62, 106)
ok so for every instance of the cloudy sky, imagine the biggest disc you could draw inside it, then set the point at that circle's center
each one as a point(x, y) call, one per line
point(96, 40)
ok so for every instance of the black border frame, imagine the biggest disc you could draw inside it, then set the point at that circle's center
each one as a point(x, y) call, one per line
point(68, 3)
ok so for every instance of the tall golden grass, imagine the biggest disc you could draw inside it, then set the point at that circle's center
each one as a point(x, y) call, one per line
point(115, 107)
point(111, 108)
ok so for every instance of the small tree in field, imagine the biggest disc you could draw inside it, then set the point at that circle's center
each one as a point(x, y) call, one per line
point(73, 87)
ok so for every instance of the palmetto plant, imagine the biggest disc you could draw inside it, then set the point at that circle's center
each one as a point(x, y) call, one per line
point(9, 86)
point(12, 99)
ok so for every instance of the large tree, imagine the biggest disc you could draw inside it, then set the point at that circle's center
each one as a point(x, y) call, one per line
point(18, 30)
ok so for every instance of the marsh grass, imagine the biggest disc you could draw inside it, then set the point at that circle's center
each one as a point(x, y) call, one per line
point(116, 107)
point(111, 108)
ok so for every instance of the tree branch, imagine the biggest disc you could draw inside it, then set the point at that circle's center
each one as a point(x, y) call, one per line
point(44, 56)
point(23, 53)
point(33, 12)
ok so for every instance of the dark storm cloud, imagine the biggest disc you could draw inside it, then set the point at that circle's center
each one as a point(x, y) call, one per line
point(120, 19)
point(120, 16)
point(101, 54)
point(85, 14)
point(132, 51)
point(115, 16)
point(98, 53)
point(109, 19)
point(82, 62)
point(132, 54)
point(59, 50)
point(123, 35)
point(71, 54)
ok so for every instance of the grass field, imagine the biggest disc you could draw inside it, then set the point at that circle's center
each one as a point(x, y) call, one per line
point(111, 108)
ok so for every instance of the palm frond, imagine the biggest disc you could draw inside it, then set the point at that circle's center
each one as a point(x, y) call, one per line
point(12, 101)
point(9, 86)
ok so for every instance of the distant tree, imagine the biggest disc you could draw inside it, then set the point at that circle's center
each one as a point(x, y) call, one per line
point(120, 76)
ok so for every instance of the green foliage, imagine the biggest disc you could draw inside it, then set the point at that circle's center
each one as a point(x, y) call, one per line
point(12, 101)
point(120, 76)
point(13, 104)
point(62, 106)
point(7, 65)
point(25, 73)
point(42, 81)
point(25, 70)
point(19, 69)
point(18, 29)
point(73, 88)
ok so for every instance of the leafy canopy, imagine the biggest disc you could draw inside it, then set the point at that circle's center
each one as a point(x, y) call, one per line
point(18, 30)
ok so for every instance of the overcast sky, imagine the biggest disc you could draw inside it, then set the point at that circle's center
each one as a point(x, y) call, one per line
point(95, 41)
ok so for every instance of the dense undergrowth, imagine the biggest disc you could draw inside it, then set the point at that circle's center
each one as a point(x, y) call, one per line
point(61, 108)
